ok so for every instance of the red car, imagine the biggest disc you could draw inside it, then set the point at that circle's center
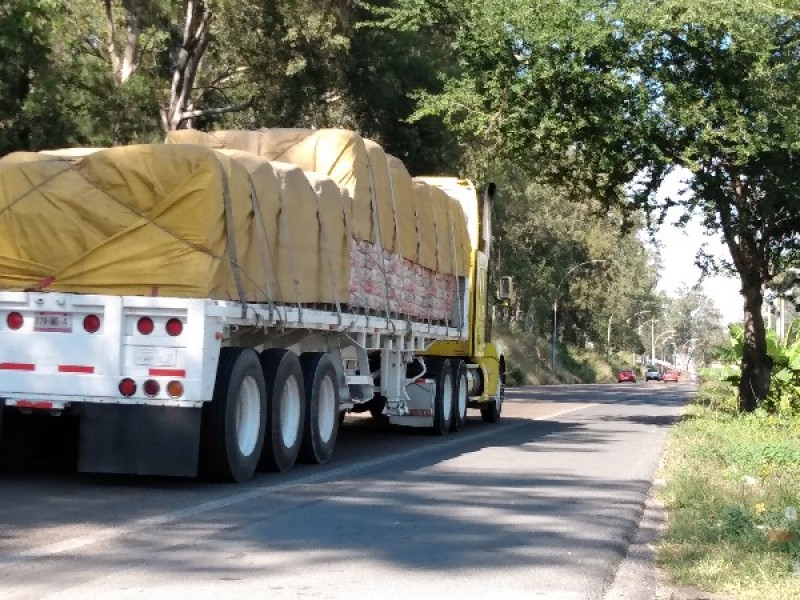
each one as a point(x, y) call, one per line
point(670, 376)
point(626, 375)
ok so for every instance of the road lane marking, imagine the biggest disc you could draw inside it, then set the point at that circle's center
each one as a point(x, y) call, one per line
point(267, 489)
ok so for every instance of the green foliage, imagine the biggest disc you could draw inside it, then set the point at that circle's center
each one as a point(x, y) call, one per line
point(784, 393)
point(514, 375)
point(528, 360)
point(610, 97)
point(542, 232)
point(24, 69)
point(717, 393)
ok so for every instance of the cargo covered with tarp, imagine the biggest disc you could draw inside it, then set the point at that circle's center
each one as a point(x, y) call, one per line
point(387, 208)
point(181, 221)
point(409, 239)
point(289, 216)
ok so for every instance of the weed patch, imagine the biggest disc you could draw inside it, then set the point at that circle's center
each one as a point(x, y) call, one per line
point(732, 493)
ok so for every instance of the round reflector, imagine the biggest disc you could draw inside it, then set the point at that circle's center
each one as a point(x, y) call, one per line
point(91, 323)
point(174, 327)
point(151, 388)
point(145, 325)
point(175, 389)
point(127, 387)
point(14, 320)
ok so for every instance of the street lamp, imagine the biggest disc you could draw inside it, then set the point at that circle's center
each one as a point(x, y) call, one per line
point(687, 346)
point(654, 342)
point(638, 329)
point(555, 304)
point(664, 346)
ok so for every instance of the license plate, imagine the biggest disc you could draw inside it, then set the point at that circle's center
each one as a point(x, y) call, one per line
point(156, 357)
point(53, 322)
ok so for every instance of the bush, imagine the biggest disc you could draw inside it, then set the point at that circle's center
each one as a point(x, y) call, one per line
point(514, 376)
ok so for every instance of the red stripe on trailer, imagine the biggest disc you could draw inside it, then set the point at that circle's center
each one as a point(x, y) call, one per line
point(30, 404)
point(75, 369)
point(17, 366)
point(167, 373)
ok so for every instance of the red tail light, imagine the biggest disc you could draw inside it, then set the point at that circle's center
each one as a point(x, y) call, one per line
point(145, 326)
point(174, 327)
point(91, 323)
point(151, 388)
point(14, 320)
point(127, 387)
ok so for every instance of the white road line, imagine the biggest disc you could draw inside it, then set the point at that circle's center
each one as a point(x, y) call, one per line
point(261, 491)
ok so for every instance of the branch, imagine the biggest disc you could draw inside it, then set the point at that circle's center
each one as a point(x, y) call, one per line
point(207, 112)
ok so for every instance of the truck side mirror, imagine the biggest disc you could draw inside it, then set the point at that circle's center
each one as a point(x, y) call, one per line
point(505, 291)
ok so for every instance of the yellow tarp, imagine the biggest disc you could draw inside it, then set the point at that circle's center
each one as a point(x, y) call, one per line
point(383, 202)
point(405, 212)
point(379, 185)
point(337, 153)
point(426, 225)
point(218, 216)
point(155, 220)
point(461, 236)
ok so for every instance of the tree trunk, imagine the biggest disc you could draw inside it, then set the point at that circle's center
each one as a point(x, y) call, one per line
point(197, 21)
point(756, 363)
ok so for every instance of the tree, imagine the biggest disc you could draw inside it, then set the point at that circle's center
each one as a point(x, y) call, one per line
point(542, 232)
point(23, 69)
point(612, 96)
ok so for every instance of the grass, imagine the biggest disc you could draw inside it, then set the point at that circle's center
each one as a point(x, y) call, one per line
point(732, 493)
point(529, 357)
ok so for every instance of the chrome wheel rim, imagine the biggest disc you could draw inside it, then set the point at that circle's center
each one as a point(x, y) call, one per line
point(248, 416)
point(290, 412)
point(462, 395)
point(326, 406)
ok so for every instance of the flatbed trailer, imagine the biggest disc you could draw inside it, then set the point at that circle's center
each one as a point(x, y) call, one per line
point(181, 386)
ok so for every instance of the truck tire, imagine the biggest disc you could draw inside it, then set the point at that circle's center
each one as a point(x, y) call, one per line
point(442, 373)
point(322, 407)
point(285, 409)
point(491, 413)
point(460, 398)
point(233, 423)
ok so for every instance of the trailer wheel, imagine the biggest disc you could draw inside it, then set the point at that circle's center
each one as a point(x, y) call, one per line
point(441, 371)
point(233, 423)
point(285, 409)
point(460, 396)
point(491, 413)
point(322, 408)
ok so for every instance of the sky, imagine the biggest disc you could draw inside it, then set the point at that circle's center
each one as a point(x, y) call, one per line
point(678, 252)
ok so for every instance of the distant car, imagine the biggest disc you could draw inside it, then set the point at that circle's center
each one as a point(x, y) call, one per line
point(652, 374)
point(670, 376)
point(626, 375)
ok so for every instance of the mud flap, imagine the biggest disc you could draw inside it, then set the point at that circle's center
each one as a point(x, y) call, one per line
point(2, 410)
point(420, 405)
point(139, 440)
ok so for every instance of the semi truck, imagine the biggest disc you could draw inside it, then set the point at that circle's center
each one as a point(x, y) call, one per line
point(217, 304)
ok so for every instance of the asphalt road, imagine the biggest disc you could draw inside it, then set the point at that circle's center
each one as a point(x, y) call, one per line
point(543, 504)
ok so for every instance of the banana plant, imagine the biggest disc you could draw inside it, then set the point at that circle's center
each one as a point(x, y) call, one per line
point(784, 393)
